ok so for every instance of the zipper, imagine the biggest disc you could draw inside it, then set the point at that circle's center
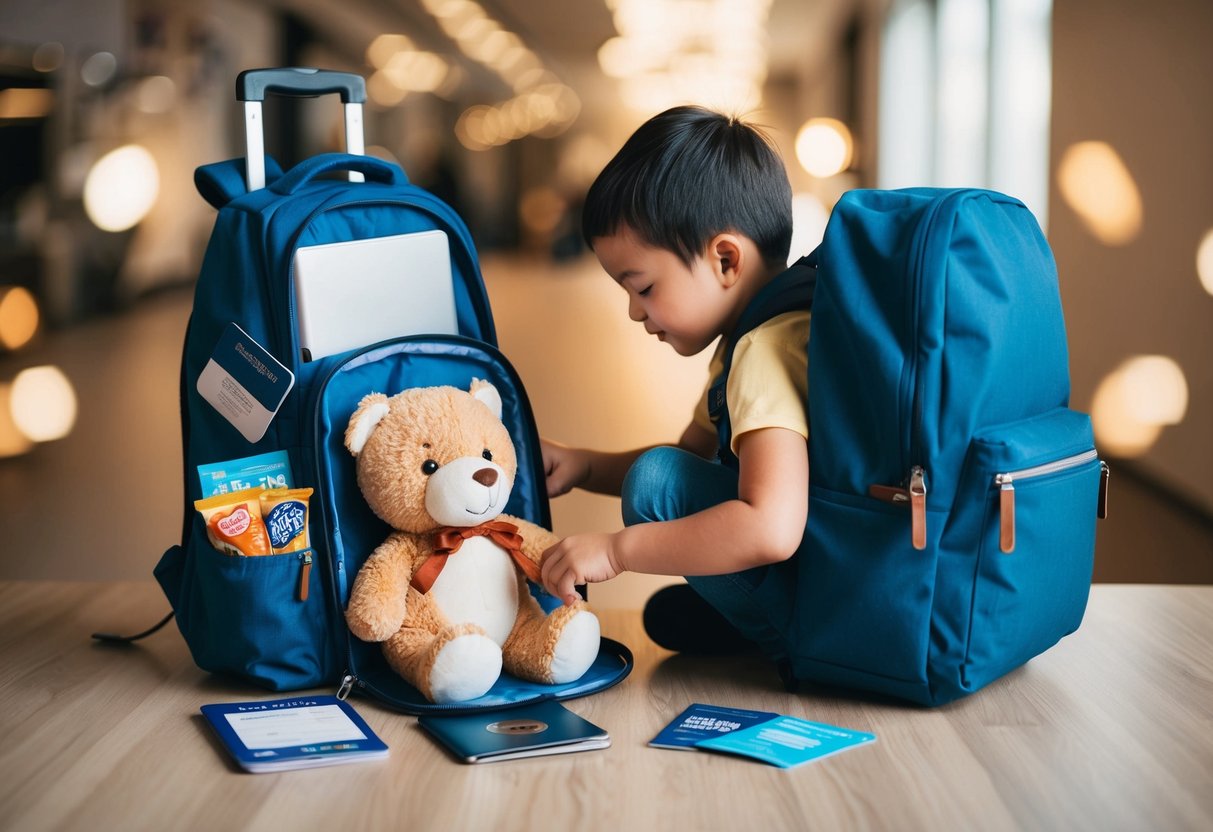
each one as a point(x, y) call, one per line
point(327, 524)
point(918, 507)
point(914, 449)
point(917, 488)
point(305, 574)
point(1105, 473)
point(1006, 491)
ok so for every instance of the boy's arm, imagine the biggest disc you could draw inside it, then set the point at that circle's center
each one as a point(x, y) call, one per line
point(763, 525)
point(603, 471)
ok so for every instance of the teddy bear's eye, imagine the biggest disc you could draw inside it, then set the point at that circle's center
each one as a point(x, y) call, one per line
point(428, 467)
point(487, 454)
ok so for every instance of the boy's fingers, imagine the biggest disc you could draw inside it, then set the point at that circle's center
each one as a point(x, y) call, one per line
point(567, 590)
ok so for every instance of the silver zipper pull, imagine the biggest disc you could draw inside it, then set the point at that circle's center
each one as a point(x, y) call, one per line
point(1105, 473)
point(347, 684)
point(1006, 512)
point(918, 507)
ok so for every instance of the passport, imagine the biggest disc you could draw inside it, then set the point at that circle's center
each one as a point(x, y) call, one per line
point(515, 733)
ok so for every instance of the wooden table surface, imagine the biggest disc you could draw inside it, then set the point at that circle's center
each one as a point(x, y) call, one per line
point(1112, 729)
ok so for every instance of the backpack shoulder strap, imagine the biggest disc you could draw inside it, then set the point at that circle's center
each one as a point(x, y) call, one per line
point(789, 291)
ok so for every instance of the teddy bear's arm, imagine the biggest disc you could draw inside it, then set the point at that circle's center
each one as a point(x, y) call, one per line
point(535, 539)
point(378, 600)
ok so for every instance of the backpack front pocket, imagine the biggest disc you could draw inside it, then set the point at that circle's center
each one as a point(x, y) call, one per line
point(1033, 489)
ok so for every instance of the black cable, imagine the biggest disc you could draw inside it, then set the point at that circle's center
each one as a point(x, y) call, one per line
point(111, 638)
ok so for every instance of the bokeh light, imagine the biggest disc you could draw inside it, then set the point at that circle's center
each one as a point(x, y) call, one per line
point(156, 94)
point(48, 57)
point(18, 317)
point(541, 209)
point(121, 188)
point(1204, 261)
point(98, 69)
point(26, 103)
point(43, 403)
point(12, 441)
point(1136, 401)
point(824, 147)
point(1097, 185)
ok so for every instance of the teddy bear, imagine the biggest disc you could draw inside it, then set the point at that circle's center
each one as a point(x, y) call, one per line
point(446, 593)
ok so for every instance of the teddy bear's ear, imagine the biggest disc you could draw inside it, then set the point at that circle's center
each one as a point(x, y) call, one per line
point(370, 412)
point(485, 392)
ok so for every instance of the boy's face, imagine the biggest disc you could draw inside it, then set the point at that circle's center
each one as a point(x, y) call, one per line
point(686, 307)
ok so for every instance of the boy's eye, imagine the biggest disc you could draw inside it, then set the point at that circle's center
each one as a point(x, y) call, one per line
point(645, 291)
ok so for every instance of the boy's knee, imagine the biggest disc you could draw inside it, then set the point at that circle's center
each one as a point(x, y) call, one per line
point(647, 484)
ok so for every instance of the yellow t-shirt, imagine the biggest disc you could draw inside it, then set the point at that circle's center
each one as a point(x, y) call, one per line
point(769, 381)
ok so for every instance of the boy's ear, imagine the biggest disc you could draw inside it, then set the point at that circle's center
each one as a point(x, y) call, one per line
point(727, 256)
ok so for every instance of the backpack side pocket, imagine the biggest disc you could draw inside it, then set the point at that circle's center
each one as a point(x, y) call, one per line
point(263, 619)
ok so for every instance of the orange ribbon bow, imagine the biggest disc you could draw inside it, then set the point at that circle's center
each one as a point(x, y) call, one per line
point(447, 541)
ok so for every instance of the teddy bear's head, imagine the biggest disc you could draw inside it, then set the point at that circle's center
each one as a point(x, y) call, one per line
point(433, 456)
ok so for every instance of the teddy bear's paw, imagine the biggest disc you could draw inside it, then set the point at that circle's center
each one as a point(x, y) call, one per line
point(465, 668)
point(576, 648)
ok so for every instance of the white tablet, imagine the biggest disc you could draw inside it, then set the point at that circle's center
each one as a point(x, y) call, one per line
point(355, 293)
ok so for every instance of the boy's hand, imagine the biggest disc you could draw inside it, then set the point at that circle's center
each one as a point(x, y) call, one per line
point(564, 468)
point(580, 559)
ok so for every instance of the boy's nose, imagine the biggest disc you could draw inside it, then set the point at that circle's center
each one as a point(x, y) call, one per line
point(636, 311)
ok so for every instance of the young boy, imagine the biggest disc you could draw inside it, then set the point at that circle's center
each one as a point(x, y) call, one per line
point(692, 218)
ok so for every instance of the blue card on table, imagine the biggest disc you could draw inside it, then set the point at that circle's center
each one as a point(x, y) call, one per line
point(786, 741)
point(701, 722)
point(301, 732)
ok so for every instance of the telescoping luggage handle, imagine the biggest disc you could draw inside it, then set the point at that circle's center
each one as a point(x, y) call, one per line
point(253, 85)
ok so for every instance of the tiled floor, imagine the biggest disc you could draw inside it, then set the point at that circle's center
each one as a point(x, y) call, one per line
point(105, 502)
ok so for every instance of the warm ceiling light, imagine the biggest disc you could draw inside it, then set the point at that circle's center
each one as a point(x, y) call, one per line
point(121, 188)
point(18, 317)
point(48, 57)
point(12, 441)
point(156, 94)
point(541, 209)
point(383, 91)
point(416, 71)
point(26, 102)
point(824, 147)
point(1204, 261)
point(1136, 401)
point(43, 403)
point(385, 47)
point(1097, 185)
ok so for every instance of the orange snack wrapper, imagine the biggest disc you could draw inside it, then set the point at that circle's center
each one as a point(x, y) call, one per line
point(234, 524)
point(285, 513)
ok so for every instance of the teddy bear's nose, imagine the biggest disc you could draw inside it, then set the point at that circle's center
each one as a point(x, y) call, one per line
point(486, 476)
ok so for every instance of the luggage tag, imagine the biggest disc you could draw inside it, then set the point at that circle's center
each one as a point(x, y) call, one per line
point(245, 383)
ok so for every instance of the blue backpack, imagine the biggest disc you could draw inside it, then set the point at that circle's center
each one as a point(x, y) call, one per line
point(953, 492)
point(277, 621)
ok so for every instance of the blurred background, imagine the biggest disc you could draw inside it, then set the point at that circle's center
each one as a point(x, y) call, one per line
point(1097, 113)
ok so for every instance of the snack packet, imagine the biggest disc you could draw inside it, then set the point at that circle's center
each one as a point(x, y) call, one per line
point(234, 524)
point(285, 514)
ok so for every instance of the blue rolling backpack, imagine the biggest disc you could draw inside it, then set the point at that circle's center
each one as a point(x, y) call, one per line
point(953, 492)
point(277, 620)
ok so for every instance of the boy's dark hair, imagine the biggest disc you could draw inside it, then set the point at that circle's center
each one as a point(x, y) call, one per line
point(688, 174)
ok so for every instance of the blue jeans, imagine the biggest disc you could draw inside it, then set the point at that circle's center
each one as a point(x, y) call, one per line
point(669, 483)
